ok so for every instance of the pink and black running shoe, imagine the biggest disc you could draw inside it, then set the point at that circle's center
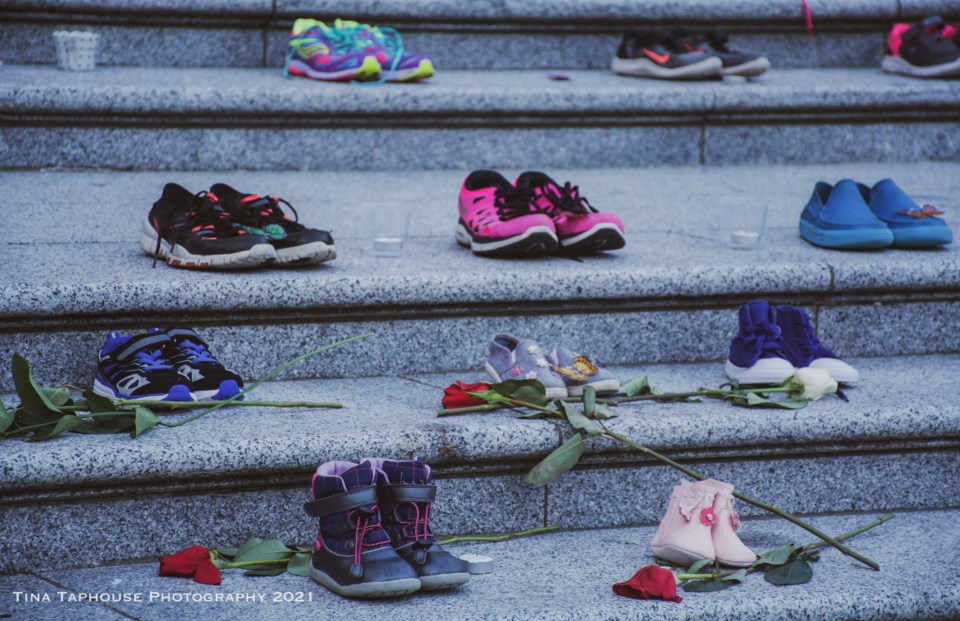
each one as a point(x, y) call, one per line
point(497, 219)
point(923, 50)
point(580, 228)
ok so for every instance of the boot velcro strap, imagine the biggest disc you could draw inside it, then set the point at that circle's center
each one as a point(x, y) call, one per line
point(410, 493)
point(187, 332)
point(135, 345)
point(338, 503)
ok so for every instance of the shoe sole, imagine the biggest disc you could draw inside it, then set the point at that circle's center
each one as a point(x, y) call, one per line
point(896, 64)
point(255, 256)
point(179, 392)
point(677, 556)
point(442, 581)
point(421, 72)
point(534, 242)
point(922, 237)
point(611, 386)
point(855, 239)
point(749, 69)
point(551, 393)
point(758, 373)
point(605, 236)
point(711, 67)
point(369, 70)
point(388, 588)
point(313, 253)
point(227, 389)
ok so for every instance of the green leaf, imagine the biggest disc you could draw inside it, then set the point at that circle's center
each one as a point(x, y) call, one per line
point(589, 401)
point(796, 571)
point(299, 564)
point(57, 396)
point(637, 386)
point(144, 420)
point(530, 391)
point(66, 423)
point(778, 556)
point(578, 421)
point(107, 424)
point(272, 571)
point(535, 414)
point(6, 418)
point(696, 567)
point(753, 400)
point(268, 550)
point(248, 545)
point(557, 462)
point(227, 552)
point(736, 576)
point(98, 403)
point(37, 408)
point(706, 586)
point(604, 413)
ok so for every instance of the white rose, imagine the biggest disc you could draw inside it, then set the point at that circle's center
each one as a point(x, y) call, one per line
point(812, 384)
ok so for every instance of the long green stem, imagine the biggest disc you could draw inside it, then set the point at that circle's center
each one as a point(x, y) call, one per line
point(277, 561)
point(494, 538)
point(712, 394)
point(753, 501)
point(82, 406)
point(267, 377)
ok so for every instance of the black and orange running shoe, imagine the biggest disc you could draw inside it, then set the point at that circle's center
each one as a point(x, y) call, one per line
point(655, 54)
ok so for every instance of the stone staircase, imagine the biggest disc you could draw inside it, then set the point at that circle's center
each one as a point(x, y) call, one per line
point(83, 156)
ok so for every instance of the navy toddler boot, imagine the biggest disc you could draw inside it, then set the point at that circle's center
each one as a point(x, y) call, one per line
point(353, 556)
point(406, 493)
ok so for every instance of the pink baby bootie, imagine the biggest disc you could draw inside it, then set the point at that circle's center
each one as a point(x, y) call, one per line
point(727, 546)
point(685, 533)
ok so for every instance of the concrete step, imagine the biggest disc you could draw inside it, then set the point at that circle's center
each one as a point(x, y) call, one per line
point(476, 35)
point(245, 472)
point(74, 272)
point(208, 119)
point(533, 579)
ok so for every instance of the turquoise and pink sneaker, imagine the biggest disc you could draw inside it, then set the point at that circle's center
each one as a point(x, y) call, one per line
point(332, 54)
point(497, 219)
point(396, 64)
point(580, 228)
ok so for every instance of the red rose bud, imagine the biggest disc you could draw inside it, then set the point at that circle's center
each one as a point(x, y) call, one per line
point(456, 395)
point(207, 573)
point(184, 563)
point(650, 582)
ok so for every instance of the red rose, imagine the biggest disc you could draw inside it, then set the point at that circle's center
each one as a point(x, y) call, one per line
point(650, 582)
point(455, 395)
point(194, 562)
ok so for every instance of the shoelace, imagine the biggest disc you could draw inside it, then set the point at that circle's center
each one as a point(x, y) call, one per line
point(266, 210)
point(195, 352)
point(512, 202)
point(151, 361)
point(765, 339)
point(362, 526)
point(205, 215)
point(391, 41)
point(569, 199)
point(419, 522)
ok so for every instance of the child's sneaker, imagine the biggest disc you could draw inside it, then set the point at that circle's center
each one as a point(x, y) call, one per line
point(498, 219)
point(194, 231)
point(199, 369)
point(655, 54)
point(136, 367)
point(353, 556)
point(294, 243)
point(804, 349)
point(578, 372)
point(332, 53)
point(511, 358)
point(398, 65)
point(757, 353)
point(921, 50)
point(580, 227)
point(714, 43)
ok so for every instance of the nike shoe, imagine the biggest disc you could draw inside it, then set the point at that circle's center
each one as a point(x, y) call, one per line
point(398, 65)
point(199, 369)
point(332, 53)
point(714, 43)
point(294, 243)
point(498, 219)
point(654, 54)
point(137, 368)
point(580, 227)
point(921, 50)
point(804, 349)
point(838, 217)
point(757, 353)
point(195, 232)
point(912, 226)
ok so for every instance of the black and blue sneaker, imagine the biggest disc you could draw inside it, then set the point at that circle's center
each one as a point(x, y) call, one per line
point(207, 378)
point(137, 368)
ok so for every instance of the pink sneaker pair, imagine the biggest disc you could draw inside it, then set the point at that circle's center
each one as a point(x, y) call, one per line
point(533, 216)
point(701, 524)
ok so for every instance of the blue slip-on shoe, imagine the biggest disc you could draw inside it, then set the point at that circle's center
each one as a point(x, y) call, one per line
point(757, 353)
point(913, 226)
point(512, 358)
point(804, 349)
point(579, 371)
point(839, 217)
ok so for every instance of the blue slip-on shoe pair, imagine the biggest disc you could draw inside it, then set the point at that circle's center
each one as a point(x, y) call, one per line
point(851, 216)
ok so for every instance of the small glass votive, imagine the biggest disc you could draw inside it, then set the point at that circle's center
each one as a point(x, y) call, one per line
point(389, 227)
point(744, 220)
